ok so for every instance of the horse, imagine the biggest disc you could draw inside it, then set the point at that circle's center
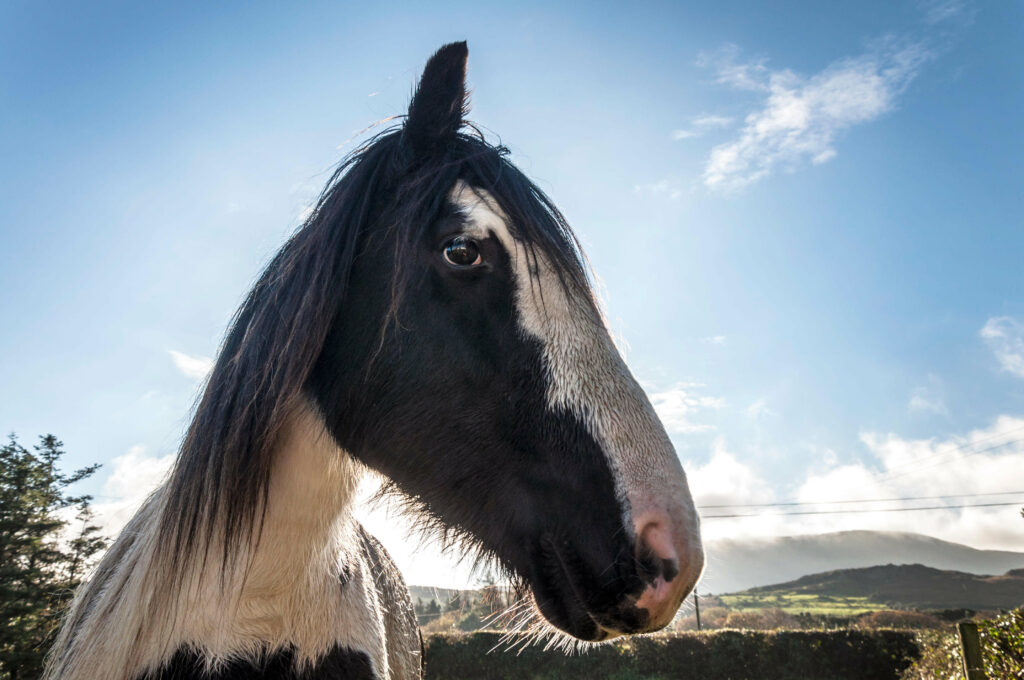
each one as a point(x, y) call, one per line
point(432, 321)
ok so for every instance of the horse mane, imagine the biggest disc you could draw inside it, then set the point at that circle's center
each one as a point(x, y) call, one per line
point(215, 497)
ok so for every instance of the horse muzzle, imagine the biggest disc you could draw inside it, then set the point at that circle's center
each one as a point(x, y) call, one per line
point(643, 596)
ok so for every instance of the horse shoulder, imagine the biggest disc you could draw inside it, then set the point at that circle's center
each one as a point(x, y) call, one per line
point(403, 645)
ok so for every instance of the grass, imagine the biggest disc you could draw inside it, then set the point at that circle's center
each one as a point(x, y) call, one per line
point(793, 602)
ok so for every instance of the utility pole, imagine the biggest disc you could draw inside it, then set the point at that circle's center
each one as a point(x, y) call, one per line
point(696, 606)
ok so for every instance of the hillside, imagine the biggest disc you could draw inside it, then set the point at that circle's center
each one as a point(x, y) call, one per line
point(738, 564)
point(440, 595)
point(905, 586)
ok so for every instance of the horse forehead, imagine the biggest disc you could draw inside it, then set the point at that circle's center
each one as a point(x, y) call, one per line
point(548, 309)
point(483, 216)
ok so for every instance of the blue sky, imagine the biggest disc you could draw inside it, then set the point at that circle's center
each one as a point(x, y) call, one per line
point(807, 219)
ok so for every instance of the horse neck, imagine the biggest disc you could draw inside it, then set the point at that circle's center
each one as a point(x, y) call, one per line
point(282, 587)
point(312, 487)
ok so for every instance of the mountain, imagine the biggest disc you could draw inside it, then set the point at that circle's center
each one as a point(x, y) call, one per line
point(902, 586)
point(739, 564)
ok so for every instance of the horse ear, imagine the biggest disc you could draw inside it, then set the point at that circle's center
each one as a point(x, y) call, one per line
point(440, 101)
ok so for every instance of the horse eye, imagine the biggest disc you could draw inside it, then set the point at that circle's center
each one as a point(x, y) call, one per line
point(462, 252)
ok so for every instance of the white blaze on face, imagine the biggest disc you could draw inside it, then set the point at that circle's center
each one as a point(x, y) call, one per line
point(589, 378)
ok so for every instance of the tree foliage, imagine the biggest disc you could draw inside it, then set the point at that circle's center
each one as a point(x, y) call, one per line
point(48, 542)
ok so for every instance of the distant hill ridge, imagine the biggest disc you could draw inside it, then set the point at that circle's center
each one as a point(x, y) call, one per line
point(907, 586)
point(738, 564)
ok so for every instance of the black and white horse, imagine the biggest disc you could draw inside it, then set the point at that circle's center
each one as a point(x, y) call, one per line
point(433, 321)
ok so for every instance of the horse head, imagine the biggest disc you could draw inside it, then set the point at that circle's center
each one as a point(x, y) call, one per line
point(467, 360)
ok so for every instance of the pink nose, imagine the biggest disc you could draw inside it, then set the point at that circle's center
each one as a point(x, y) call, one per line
point(677, 561)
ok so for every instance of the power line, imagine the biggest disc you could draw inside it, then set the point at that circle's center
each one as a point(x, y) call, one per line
point(859, 500)
point(858, 512)
point(941, 462)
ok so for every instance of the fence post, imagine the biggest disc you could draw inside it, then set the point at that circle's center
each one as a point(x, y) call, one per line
point(696, 604)
point(970, 647)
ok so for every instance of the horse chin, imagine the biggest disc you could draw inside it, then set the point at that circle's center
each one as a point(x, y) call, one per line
point(559, 599)
point(568, 615)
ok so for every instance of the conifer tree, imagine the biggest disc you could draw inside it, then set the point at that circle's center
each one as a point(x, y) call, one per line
point(40, 565)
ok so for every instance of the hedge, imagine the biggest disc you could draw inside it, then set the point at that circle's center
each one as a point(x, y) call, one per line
point(720, 655)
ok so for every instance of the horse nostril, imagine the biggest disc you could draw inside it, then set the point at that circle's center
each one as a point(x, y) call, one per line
point(669, 569)
point(656, 551)
point(651, 565)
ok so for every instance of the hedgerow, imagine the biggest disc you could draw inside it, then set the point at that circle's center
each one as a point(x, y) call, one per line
point(1002, 651)
point(721, 655)
point(1002, 645)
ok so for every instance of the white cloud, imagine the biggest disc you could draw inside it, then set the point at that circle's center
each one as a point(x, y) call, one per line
point(135, 474)
point(677, 406)
point(980, 462)
point(1005, 336)
point(723, 479)
point(196, 368)
point(714, 339)
point(801, 117)
point(132, 478)
point(700, 125)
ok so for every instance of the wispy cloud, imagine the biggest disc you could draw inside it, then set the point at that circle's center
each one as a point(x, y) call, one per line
point(928, 398)
point(677, 406)
point(729, 70)
point(758, 409)
point(714, 339)
point(801, 117)
point(700, 125)
point(1005, 336)
point(662, 187)
point(924, 401)
point(937, 11)
point(196, 368)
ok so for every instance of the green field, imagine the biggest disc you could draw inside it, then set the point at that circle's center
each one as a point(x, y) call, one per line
point(793, 602)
